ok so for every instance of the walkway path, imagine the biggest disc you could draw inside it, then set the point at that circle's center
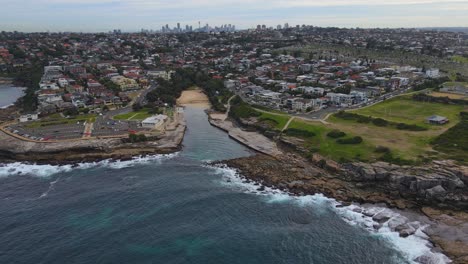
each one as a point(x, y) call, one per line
point(293, 117)
point(228, 107)
point(287, 124)
point(88, 130)
point(253, 140)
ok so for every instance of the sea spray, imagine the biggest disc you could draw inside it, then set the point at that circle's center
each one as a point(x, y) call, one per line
point(44, 170)
point(416, 247)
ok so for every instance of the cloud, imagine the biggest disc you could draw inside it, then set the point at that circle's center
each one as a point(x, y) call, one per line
point(97, 15)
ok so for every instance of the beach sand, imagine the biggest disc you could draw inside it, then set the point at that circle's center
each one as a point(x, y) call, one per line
point(194, 98)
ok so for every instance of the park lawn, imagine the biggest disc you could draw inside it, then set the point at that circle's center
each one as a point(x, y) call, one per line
point(404, 110)
point(134, 115)
point(449, 95)
point(460, 59)
point(408, 145)
point(59, 120)
point(327, 147)
point(280, 120)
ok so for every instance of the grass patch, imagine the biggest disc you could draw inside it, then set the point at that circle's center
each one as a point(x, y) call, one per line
point(329, 147)
point(294, 132)
point(449, 95)
point(279, 120)
point(135, 115)
point(405, 110)
point(455, 140)
point(460, 59)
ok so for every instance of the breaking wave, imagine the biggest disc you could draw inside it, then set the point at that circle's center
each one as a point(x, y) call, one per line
point(39, 170)
point(416, 247)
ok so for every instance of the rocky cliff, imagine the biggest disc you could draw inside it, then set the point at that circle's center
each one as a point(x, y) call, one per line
point(441, 183)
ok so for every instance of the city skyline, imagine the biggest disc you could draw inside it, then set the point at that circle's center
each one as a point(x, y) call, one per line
point(133, 15)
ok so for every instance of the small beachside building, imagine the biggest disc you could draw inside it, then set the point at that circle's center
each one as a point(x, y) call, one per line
point(154, 122)
point(437, 120)
point(28, 117)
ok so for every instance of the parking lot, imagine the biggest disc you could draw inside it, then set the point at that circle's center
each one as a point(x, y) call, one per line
point(103, 126)
point(109, 127)
point(53, 132)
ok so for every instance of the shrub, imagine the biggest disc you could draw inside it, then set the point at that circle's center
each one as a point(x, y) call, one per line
point(137, 107)
point(388, 157)
point(455, 138)
point(269, 120)
point(382, 149)
point(364, 119)
point(350, 141)
point(134, 138)
point(403, 126)
point(299, 132)
point(380, 122)
point(243, 111)
point(155, 111)
point(336, 134)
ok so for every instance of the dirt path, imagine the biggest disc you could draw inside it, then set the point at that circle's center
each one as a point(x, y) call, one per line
point(287, 124)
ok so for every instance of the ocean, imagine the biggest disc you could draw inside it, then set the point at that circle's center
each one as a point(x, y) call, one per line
point(9, 94)
point(178, 209)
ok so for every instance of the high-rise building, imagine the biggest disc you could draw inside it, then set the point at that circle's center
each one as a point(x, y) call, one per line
point(286, 25)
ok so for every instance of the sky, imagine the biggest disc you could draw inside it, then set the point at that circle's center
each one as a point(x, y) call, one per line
point(133, 15)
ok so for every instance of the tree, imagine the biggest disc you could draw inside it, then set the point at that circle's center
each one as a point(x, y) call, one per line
point(137, 107)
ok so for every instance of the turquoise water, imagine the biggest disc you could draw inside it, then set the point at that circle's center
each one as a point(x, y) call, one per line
point(171, 209)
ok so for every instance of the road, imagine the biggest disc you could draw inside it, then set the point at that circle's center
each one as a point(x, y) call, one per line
point(323, 114)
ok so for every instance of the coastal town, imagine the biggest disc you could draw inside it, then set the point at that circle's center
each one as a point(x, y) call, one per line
point(360, 115)
point(89, 82)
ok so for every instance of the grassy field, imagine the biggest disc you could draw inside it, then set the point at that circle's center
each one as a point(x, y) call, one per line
point(329, 148)
point(460, 59)
point(279, 120)
point(410, 145)
point(404, 110)
point(448, 84)
point(449, 95)
point(57, 119)
point(135, 115)
point(404, 144)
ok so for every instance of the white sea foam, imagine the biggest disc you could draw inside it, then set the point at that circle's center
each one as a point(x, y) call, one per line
point(37, 170)
point(415, 248)
point(6, 106)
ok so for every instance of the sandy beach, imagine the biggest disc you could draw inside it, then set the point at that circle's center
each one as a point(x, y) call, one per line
point(194, 98)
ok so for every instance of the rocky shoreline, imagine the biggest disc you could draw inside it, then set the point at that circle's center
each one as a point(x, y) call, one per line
point(434, 195)
point(70, 152)
point(436, 192)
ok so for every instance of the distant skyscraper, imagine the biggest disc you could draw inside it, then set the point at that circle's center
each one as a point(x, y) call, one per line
point(286, 25)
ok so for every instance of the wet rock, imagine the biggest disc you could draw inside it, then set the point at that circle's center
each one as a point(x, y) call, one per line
point(382, 217)
point(396, 221)
point(405, 230)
